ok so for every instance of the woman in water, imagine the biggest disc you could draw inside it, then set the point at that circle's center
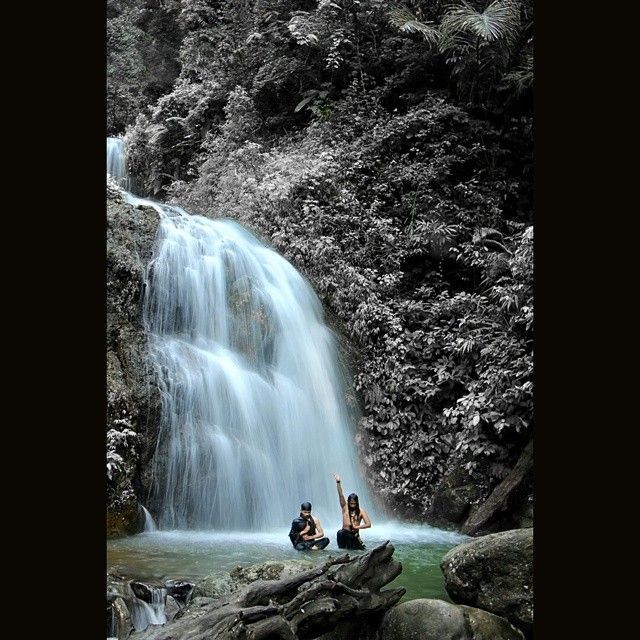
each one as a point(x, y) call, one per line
point(353, 519)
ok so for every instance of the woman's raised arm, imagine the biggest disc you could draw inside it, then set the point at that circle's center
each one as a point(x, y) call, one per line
point(343, 502)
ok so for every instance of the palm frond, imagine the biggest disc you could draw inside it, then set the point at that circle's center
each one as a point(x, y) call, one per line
point(521, 78)
point(405, 21)
point(499, 21)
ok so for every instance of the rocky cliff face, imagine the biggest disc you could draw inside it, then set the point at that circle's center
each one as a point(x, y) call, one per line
point(133, 403)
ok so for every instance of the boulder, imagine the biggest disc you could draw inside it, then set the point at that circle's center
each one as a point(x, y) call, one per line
point(482, 625)
point(121, 619)
point(495, 573)
point(271, 570)
point(181, 590)
point(116, 587)
point(507, 501)
point(171, 608)
point(213, 586)
point(429, 619)
point(221, 583)
point(424, 619)
point(452, 498)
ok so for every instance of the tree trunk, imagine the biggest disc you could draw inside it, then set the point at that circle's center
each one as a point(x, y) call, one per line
point(302, 606)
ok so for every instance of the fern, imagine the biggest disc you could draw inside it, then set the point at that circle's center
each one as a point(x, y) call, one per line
point(499, 21)
point(403, 20)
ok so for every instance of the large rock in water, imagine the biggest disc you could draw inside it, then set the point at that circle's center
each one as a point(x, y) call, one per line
point(270, 570)
point(221, 583)
point(213, 586)
point(495, 573)
point(427, 619)
point(133, 403)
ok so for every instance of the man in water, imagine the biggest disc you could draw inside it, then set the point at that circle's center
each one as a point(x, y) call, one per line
point(353, 519)
point(306, 532)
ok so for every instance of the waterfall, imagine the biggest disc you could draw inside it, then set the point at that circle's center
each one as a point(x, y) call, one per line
point(149, 524)
point(116, 164)
point(254, 417)
point(113, 624)
point(144, 613)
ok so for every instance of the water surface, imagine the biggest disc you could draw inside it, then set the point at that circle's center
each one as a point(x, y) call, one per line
point(157, 556)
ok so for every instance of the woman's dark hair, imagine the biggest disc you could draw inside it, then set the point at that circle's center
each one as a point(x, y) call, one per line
point(353, 496)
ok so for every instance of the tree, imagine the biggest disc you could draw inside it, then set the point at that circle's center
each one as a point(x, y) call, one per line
point(478, 44)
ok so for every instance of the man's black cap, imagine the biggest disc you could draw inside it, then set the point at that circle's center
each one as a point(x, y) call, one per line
point(305, 506)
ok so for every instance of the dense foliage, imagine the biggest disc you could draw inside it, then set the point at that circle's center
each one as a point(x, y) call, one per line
point(142, 40)
point(385, 150)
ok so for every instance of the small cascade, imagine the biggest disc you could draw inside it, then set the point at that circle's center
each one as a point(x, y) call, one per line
point(149, 523)
point(144, 613)
point(112, 625)
point(116, 162)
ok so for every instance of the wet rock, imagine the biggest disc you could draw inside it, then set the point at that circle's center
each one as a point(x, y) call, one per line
point(452, 498)
point(423, 619)
point(271, 570)
point(213, 586)
point(222, 583)
point(171, 608)
point(133, 401)
point(495, 573)
point(116, 587)
point(122, 618)
point(506, 501)
point(429, 619)
point(482, 625)
point(143, 591)
point(181, 590)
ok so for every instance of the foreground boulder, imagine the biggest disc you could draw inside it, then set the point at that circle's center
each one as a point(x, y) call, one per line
point(495, 573)
point(427, 619)
point(300, 606)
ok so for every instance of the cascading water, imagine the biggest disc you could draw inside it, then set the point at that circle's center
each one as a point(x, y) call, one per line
point(116, 165)
point(149, 523)
point(144, 613)
point(254, 416)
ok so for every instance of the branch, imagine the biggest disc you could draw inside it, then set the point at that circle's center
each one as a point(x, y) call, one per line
point(299, 607)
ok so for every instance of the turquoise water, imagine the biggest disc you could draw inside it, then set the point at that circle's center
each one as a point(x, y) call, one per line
point(191, 555)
